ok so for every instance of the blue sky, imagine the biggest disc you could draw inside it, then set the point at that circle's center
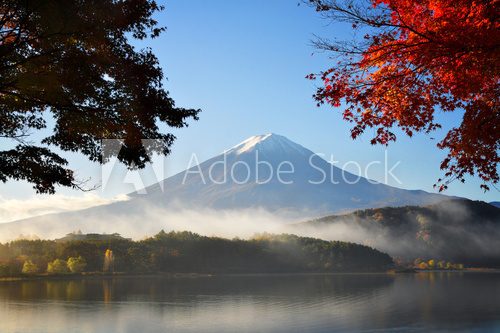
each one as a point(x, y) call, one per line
point(243, 63)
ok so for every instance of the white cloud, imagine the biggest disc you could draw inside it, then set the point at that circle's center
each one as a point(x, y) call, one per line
point(16, 209)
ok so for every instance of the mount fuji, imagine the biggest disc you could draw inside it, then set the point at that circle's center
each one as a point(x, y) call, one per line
point(263, 173)
point(271, 172)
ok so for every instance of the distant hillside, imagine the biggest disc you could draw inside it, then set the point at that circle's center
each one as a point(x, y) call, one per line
point(78, 236)
point(459, 230)
point(495, 203)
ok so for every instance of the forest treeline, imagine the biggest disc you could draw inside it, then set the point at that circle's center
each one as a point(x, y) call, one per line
point(186, 252)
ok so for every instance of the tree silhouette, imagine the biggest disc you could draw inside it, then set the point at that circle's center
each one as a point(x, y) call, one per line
point(415, 57)
point(72, 60)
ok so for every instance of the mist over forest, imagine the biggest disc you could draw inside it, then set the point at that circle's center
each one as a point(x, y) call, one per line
point(457, 230)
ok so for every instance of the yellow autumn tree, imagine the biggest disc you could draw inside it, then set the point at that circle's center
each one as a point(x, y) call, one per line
point(29, 267)
point(57, 266)
point(76, 264)
point(109, 260)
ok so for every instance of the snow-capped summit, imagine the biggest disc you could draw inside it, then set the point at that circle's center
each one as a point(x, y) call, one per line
point(271, 143)
point(250, 143)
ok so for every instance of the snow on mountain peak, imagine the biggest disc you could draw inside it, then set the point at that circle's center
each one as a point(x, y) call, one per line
point(267, 142)
point(250, 143)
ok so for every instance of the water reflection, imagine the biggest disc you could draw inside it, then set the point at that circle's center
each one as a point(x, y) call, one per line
point(300, 303)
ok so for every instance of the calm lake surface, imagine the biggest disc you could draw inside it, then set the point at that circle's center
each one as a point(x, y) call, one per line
point(466, 302)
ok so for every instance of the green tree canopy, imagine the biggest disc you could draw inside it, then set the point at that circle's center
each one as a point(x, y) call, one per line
point(73, 59)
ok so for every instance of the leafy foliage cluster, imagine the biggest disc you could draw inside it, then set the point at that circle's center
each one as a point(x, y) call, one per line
point(72, 61)
point(412, 58)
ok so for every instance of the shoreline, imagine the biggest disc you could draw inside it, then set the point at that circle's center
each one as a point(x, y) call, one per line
point(96, 275)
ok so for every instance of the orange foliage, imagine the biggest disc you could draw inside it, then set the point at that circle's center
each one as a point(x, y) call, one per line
point(423, 265)
point(420, 56)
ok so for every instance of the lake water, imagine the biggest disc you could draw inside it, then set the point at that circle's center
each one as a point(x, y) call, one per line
point(467, 302)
